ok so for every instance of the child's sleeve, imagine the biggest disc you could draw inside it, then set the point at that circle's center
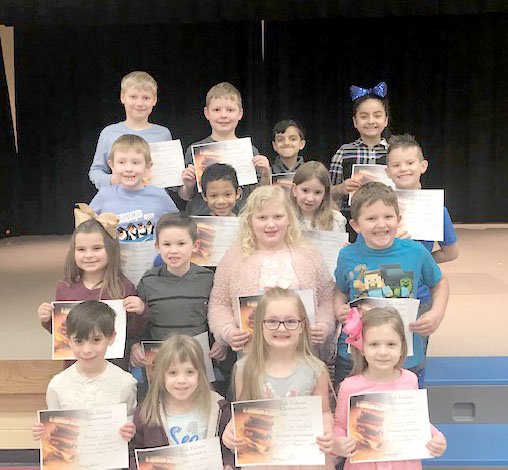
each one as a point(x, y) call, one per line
point(336, 171)
point(341, 278)
point(431, 273)
point(97, 202)
point(100, 173)
point(227, 455)
point(52, 398)
point(169, 206)
point(450, 237)
point(324, 295)
point(340, 419)
point(136, 324)
point(130, 396)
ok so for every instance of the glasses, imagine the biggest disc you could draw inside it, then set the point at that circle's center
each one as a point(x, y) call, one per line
point(292, 324)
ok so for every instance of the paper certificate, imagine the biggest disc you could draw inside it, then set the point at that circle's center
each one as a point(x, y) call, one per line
point(246, 307)
point(365, 173)
point(197, 455)
point(152, 347)
point(168, 163)
point(407, 308)
point(422, 213)
point(389, 426)
point(281, 431)
point(284, 180)
point(61, 348)
point(137, 258)
point(237, 153)
point(215, 237)
point(329, 243)
point(84, 439)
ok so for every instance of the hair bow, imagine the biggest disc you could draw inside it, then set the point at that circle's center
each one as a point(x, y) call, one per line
point(381, 90)
point(108, 220)
point(353, 327)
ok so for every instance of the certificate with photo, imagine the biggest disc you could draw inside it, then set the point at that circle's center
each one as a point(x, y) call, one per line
point(168, 163)
point(151, 348)
point(237, 153)
point(197, 455)
point(214, 237)
point(284, 180)
point(61, 348)
point(329, 243)
point(365, 173)
point(422, 213)
point(86, 439)
point(389, 426)
point(280, 431)
point(407, 309)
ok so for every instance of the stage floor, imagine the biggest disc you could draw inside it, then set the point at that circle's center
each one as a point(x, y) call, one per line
point(476, 321)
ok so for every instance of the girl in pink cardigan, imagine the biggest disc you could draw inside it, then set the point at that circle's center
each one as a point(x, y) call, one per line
point(270, 251)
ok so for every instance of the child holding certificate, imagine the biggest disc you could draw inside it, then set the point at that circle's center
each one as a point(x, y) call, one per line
point(92, 272)
point(180, 407)
point(91, 381)
point(378, 347)
point(312, 199)
point(280, 362)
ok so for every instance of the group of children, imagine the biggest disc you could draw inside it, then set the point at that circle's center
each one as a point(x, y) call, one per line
point(176, 299)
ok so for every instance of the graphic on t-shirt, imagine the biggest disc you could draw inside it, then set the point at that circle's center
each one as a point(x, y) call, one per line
point(135, 226)
point(389, 281)
point(178, 435)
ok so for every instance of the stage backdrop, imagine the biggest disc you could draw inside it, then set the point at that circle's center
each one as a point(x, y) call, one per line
point(447, 79)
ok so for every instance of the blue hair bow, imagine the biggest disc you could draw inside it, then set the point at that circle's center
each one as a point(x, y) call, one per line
point(381, 89)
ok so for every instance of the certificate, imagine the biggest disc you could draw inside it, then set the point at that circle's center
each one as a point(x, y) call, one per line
point(61, 348)
point(236, 152)
point(280, 431)
point(137, 258)
point(406, 307)
point(168, 163)
point(215, 237)
point(246, 308)
point(389, 426)
point(422, 213)
point(284, 180)
point(197, 455)
point(365, 173)
point(84, 439)
point(329, 243)
point(151, 348)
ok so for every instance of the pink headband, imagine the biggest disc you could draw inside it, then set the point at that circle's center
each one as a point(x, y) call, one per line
point(353, 327)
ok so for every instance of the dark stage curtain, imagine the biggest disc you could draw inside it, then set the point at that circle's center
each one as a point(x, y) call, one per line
point(448, 85)
point(68, 85)
point(8, 160)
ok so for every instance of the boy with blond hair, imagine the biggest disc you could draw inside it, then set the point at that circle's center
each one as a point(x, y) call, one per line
point(380, 265)
point(138, 96)
point(223, 111)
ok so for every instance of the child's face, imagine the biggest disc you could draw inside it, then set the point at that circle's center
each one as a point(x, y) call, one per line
point(131, 167)
point(176, 248)
point(378, 224)
point(138, 104)
point(223, 115)
point(309, 196)
point(382, 348)
point(221, 197)
point(90, 352)
point(289, 143)
point(370, 119)
point(282, 338)
point(90, 253)
point(405, 167)
point(181, 381)
point(270, 224)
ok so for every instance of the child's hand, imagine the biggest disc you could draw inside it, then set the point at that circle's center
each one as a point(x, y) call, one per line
point(137, 356)
point(127, 431)
point(228, 467)
point(44, 312)
point(115, 179)
point(402, 232)
point(134, 304)
point(325, 443)
point(262, 164)
point(427, 323)
point(38, 431)
point(344, 446)
point(437, 445)
point(351, 185)
point(237, 339)
point(342, 312)
point(318, 333)
point(228, 437)
point(218, 351)
point(189, 177)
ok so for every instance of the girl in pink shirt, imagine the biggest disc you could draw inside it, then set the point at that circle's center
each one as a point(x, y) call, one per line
point(378, 349)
